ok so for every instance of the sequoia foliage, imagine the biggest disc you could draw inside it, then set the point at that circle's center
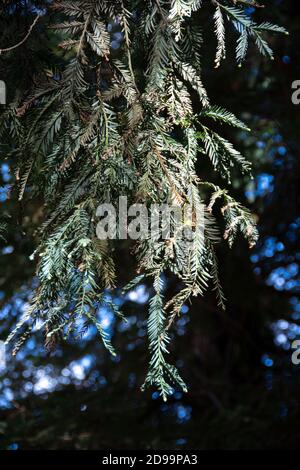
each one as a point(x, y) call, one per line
point(107, 122)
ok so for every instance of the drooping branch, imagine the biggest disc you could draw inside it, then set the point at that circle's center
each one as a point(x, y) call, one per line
point(8, 49)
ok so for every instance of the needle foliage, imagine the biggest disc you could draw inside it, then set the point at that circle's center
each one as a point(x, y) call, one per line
point(135, 120)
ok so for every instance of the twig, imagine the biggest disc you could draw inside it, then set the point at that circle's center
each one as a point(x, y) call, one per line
point(165, 170)
point(159, 7)
point(24, 39)
point(127, 41)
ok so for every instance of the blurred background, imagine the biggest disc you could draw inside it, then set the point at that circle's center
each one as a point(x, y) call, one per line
point(244, 391)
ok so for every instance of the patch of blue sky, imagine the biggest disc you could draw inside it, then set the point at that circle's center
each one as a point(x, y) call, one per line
point(107, 319)
point(139, 295)
point(7, 250)
point(118, 36)
point(261, 144)
point(269, 247)
point(44, 383)
point(277, 138)
point(249, 10)
point(286, 59)
point(282, 150)
point(126, 325)
point(283, 277)
point(267, 361)
point(262, 185)
point(181, 441)
point(184, 309)
point(4, 191)
point(5, 172)
point(183, 413)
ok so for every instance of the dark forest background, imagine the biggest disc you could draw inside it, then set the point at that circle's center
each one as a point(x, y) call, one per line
point(244, 391)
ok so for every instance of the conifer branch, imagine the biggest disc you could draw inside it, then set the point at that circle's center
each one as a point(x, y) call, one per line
point(8, 49)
